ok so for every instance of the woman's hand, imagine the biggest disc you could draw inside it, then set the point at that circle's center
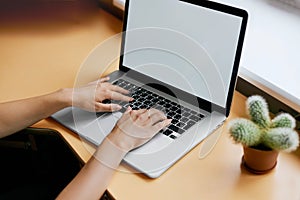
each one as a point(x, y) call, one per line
point(133, 129)
point(136, 127)
point(91, 96)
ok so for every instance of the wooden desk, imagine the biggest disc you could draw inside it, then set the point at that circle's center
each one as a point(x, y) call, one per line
point(41, 54)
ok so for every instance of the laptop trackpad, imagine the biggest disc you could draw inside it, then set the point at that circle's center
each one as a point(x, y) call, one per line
point(100, 128)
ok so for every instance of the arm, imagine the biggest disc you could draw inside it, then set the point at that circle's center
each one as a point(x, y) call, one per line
point(132, 130)
point(20, 114)
point(93, 179)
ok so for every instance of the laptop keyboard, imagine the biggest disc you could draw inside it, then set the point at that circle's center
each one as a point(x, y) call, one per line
point(182, 117)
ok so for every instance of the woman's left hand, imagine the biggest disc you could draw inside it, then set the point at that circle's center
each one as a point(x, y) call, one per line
point(91, 96)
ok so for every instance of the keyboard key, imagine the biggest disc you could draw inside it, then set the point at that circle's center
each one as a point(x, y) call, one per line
point(173, 108)
point(173, 136)
point(179, 124)
point(158, 107)
point(189, 124)
point(195, 118)
point(177, 116)
point(176, 129)
point(184, 119)
point(167, 132)
point(175, 121)
point(186, 114)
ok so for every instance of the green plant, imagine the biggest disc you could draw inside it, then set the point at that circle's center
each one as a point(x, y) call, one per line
point(261, 132)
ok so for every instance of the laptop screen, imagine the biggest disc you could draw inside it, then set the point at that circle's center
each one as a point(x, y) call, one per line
point(190, 47)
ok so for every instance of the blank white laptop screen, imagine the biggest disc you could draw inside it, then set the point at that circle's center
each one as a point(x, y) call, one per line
point(191, 48)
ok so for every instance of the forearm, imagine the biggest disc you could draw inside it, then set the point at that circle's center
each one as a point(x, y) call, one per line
point(93, 179)
point(20, 114)
point(132, 130)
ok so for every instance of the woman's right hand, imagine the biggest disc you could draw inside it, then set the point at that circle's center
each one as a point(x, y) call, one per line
point(136, 127)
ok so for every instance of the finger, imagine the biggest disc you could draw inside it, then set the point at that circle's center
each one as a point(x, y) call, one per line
point(104, 79)
point(139, 112)
point(157, 117)
point(136, 113)
point(128, 110)
point(153, 111)
point(118, 96)
point(126, 115)
point(162, 124)
point(119, 89)
point(144, 118)
point(100, 107)
point(99, 81)
point(94, 82)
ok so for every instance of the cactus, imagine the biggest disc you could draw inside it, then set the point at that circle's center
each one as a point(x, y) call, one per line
point(261, 132)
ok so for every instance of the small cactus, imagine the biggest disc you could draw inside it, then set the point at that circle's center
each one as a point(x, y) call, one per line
point(263, 133)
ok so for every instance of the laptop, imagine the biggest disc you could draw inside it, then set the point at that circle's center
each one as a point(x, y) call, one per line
point(178, 56)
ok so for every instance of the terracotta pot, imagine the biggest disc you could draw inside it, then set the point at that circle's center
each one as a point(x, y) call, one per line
point(259, 161)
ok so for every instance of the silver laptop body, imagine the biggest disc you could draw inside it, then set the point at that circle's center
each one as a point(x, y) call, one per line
point(184, 54)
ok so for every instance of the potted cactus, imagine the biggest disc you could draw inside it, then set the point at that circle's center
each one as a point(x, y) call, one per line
point(263, 137)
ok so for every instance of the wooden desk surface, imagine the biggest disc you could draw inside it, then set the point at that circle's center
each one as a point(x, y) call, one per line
point(41, 54)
